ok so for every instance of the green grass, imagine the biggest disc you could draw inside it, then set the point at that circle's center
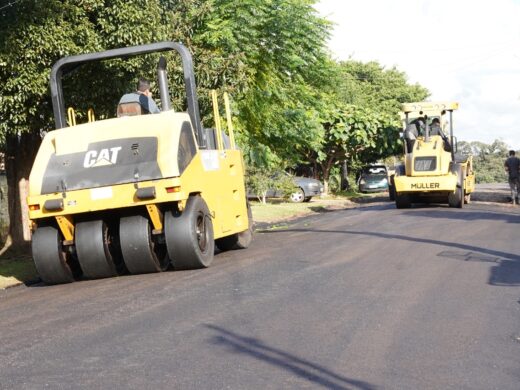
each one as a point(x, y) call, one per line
point(272, 212)
point(276, 210)
point(16, 269)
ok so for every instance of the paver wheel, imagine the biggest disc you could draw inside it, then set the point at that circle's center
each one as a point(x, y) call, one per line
point(391, 188)
point(189, 235)
point(403, 201)
point(54, 264)
point(95, 250)
point(142, 252)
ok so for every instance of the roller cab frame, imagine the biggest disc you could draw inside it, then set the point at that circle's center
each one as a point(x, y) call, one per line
point(432, 170)
point(143, 192)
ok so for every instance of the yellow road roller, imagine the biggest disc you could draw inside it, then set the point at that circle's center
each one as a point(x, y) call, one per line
point(137, 193)
point(433, 171)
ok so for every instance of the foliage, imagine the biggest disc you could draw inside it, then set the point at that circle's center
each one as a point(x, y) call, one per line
point(488, 160)
point(64, 28)
point(260, 181)
point(360, 117)
point(278, 110)
point(372, 86)
point(268, 54)
point(356, 134)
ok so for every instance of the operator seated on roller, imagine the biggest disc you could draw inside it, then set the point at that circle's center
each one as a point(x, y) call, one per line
point(414, 129)
point(138, 102)
point(420, 125)
point(435, 129)
point(410, 135)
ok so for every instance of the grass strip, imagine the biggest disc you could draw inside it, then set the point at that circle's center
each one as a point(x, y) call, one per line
point(15, 270)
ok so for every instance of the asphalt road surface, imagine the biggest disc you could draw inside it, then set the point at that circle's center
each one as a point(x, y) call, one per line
point(366, 298)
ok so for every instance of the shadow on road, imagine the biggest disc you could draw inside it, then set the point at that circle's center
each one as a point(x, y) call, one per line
point(305, 369)
point(465, 214)
point(505, 273)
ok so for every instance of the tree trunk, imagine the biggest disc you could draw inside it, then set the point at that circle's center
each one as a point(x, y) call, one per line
point(20, 153)
point(325, 168)
point(264, 197)
point(344, 185)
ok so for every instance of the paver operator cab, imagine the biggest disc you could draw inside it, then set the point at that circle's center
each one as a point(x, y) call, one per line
point(135, 193)
point(432, 170)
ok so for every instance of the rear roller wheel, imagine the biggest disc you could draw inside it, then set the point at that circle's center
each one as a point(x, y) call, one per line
point(142, 252)
point(403, 201)
point(189, 235)
point(391, 188)
point(53, 263)
point(94, 249)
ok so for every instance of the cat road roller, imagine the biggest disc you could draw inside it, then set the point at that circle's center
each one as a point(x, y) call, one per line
point(432, 171)
point(137, 193)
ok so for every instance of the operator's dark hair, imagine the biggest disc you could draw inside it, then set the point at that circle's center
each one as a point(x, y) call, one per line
point(511, 152)
point(143, 85)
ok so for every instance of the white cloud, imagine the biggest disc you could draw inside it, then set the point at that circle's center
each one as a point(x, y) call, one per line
point(462, 50)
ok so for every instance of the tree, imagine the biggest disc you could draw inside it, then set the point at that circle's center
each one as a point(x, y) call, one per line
point(355, 134)
point(364, 125)
point(488, 159)
point(266, 53)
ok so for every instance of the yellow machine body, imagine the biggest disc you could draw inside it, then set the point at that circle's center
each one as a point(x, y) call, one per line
point(217, 175)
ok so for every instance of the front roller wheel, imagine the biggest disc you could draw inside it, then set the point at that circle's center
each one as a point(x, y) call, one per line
point(94, 249)
point(53, 263)
point(142, 252)
point(456, 198)
point(189, 235)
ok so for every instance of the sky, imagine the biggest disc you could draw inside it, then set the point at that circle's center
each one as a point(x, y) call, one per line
point(461, 50)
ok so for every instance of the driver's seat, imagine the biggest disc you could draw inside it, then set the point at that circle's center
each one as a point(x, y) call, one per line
point(129, 109)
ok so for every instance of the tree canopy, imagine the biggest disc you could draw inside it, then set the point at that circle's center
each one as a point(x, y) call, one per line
point(293, 103)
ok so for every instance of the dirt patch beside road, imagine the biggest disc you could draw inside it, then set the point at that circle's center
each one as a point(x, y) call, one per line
point(492, 193)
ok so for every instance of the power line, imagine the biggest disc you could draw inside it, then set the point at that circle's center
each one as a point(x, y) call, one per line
point(10, 4)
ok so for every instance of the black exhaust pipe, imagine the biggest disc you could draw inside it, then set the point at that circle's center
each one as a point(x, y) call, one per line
point(163, 84)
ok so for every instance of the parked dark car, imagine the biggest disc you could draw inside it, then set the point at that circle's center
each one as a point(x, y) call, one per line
point(305, 189)
point(373, 178)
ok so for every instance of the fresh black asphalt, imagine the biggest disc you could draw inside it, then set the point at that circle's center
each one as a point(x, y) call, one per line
point(364, 298)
